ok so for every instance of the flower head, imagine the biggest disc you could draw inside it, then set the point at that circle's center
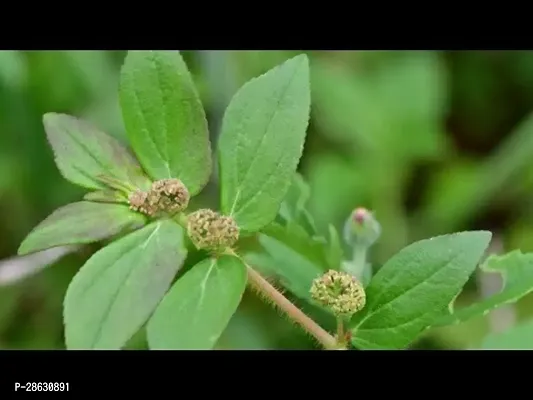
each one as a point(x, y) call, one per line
point(139, 202)
point(165, 195)
point(170, 194)
point(211, 231)
point(339, 291)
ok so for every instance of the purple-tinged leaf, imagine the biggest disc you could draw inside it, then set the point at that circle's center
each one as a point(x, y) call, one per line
point(80, 223)
point(84, 154)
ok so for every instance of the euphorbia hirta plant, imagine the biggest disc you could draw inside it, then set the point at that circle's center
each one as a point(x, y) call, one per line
point(138, 202)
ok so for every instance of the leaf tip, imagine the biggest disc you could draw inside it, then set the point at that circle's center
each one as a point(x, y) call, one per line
point(302, 58)
point(298, 63)
point(49, 118)
point(480, 236)
point(27, 247)
point(22, 250)
point(483, 236)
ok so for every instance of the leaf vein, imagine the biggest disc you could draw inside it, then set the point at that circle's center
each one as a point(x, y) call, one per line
point(261, 143)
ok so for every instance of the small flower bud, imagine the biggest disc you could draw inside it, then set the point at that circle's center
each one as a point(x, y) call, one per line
point(211, 231)
point(361, 228)
point(339, 291)
point(171, 195)
point(139, 202)
point(165, 195)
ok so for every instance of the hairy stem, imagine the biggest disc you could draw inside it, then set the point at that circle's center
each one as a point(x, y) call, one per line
point(293, 312)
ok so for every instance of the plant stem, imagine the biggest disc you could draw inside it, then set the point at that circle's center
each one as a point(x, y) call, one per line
point(340, 332)
point(181, 219)
point(293, 312)
point(359, 259)
point(357, 265)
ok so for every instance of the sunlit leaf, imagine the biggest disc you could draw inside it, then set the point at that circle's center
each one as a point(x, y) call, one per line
point(164, 117)
point(261, 143)
point(413, 288)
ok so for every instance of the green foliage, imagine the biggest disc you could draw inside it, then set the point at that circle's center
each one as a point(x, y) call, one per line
point(81, 222)
point(291, 250)
point(84, 154)
point(468, 189)
point(294, 205)
point(295, 201)
point(519, 337)
point(292, 256)
point(516, 269)
point(167, 129)
point(378, 107)
point(164, 117)
point(195, 312)
point(410, 291)
point(115, 292)
point(261, 142)
point(378, 120)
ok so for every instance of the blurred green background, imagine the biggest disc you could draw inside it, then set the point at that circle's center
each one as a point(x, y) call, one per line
point(432, 142)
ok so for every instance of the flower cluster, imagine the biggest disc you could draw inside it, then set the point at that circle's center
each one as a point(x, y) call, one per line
point(211, 231)
point(339, 291)
point(166, 195)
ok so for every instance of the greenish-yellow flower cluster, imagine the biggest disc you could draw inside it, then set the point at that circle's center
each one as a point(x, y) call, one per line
point(211, 231)
point(340, 292)
point(166, 195)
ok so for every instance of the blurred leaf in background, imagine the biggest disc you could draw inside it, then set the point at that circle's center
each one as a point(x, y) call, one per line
point(519, 337)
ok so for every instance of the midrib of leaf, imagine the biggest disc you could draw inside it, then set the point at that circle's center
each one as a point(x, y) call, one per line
point(261, 143)
point(115, 295)
point(202, 287)
point(145, 126)
point(263, 184)
point(190, 299)
point(372, 311)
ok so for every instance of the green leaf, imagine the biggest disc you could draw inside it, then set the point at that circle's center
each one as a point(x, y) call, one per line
point(199, 306)
point(261, 142)
point(516, 269)
point(295, 199)
point(336, 186)
point(292, 256)
point(413, 288)
point(519, 337)
point(83, 153)
point(118, 288)
point(164, 117)
point(80, 223)
point(293, 208)
point(106, 196)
